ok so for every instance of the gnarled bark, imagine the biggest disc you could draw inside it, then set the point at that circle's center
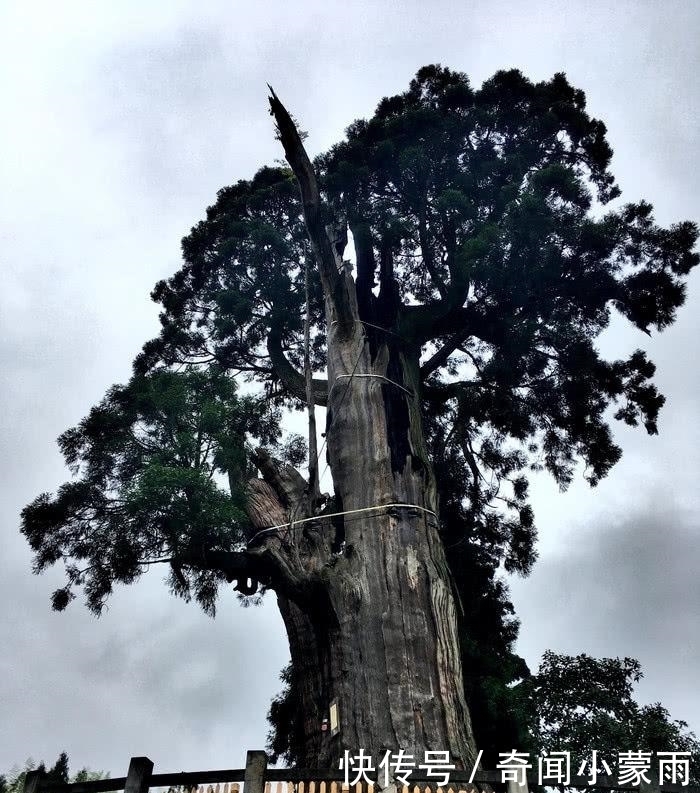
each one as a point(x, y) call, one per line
point(366, 597)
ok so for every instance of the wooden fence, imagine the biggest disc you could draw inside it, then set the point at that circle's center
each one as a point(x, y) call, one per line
point(321, 786)
point(317, 786)
point(256, 777)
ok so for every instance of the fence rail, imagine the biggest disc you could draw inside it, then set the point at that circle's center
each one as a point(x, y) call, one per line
point(258, 778)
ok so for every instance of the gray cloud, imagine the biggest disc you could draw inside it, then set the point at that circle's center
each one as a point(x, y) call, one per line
point(118, 126)
point(626, 586)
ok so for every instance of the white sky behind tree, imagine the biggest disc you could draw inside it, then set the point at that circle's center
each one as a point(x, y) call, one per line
point(120, 121)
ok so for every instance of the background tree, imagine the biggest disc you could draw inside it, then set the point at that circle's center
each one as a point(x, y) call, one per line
point(459, 349)
point(579, 703)
point(13, 781)
point(149, 462)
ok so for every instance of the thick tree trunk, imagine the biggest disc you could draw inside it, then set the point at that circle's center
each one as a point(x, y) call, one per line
point(367, 597)
point(380, 638)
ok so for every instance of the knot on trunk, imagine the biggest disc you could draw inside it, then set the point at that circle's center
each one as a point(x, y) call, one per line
point(289, 485)
point(263, 506)
point(278, 507)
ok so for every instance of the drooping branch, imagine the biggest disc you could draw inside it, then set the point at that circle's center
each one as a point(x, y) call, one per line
point(441, 356)
point(444, 391)
point(239, 566)
point(292, 379)
point(424, 323)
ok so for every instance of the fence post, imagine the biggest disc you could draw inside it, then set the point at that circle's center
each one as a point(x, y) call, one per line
point(138, 777)
point(513, 787)
point(650, 787)
point(255, 767)
point(31, 781)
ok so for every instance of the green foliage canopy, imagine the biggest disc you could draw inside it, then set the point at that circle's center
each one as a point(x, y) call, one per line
point(580, 704)
point(13, 782)
point(149, 462)
point(482, 213)
point(486, 243)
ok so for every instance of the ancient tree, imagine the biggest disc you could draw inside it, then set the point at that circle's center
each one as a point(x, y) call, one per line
point(436, 282)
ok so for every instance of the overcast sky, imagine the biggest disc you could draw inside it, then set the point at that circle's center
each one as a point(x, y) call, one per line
point(119, 122)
